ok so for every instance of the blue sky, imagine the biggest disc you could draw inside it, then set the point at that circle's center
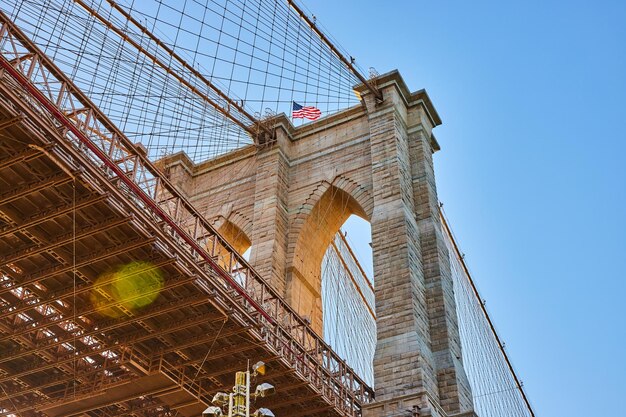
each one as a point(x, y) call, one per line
point(531, 171)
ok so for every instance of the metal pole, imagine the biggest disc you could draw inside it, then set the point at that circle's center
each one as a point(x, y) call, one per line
point(248, 392)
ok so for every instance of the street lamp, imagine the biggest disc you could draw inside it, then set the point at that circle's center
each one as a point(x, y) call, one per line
point(212, 412)
point(264, 390)
point(263, 412)
point(221, 399)
point(258, 368)
point(239, 400)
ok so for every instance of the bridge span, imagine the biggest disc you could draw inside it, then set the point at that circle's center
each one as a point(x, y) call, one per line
point(124, 288)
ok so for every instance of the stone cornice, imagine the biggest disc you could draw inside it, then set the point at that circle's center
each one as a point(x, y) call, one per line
point(192, 169)
point(411, 99)
point(281, 121)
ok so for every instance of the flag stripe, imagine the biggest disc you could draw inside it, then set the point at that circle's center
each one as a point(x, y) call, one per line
point(305, 112)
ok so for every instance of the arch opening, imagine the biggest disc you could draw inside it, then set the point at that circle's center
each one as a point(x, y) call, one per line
point(348, 303)
point(239, 241)
point(303, 289)
point(235, 237)
point(326, 282)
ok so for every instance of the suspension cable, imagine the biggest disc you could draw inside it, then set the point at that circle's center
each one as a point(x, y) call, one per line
point(253, 129)
point(348, 63)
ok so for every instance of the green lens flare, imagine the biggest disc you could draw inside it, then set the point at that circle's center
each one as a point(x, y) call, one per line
point(129, 287)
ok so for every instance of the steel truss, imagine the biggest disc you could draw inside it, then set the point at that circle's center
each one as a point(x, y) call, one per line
point(90, 150)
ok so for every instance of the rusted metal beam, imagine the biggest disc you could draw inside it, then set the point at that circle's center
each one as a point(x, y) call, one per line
point(64, 239)
point(121, 345)
point(148, 406)
point(156, 392)
point(55, 380)
point(61, 269)
point(245, 307)
point(276, 405)
point(310, 412)
point(126, 339)
point(20, 380)
point(231, 369)
point(109, 325)
point(127, 147)
point(156, 405)
point(33, 187)
point(68, 359)
point(84, 287)
point(205, 338)
point(57, 319)
point(23, 155)
point(51, 213)
point(6, 123)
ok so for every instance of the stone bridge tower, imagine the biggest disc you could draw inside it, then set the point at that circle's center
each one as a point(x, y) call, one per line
point(286, 202)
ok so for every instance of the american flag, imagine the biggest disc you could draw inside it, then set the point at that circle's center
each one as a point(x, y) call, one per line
point(308, 112)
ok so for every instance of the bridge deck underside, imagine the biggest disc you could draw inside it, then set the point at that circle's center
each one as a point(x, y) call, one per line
point(67, 349)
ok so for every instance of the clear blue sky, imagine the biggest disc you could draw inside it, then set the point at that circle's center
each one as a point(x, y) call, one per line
point(531, 171)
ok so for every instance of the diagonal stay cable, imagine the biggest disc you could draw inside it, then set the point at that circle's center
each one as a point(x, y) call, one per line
point(325, 40)
point(253, 129)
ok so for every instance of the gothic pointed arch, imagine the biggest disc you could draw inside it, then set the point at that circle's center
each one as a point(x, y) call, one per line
point(363, 208)
point(233, 229)
point(317, 221)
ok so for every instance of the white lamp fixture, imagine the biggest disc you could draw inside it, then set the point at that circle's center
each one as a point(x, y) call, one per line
point(263, 412)
point(237, 402)
point(221, 398)
point(258, 368)
point(264, 390)
point(212, 412)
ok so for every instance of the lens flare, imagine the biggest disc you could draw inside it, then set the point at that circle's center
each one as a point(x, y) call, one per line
point(127, 288)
